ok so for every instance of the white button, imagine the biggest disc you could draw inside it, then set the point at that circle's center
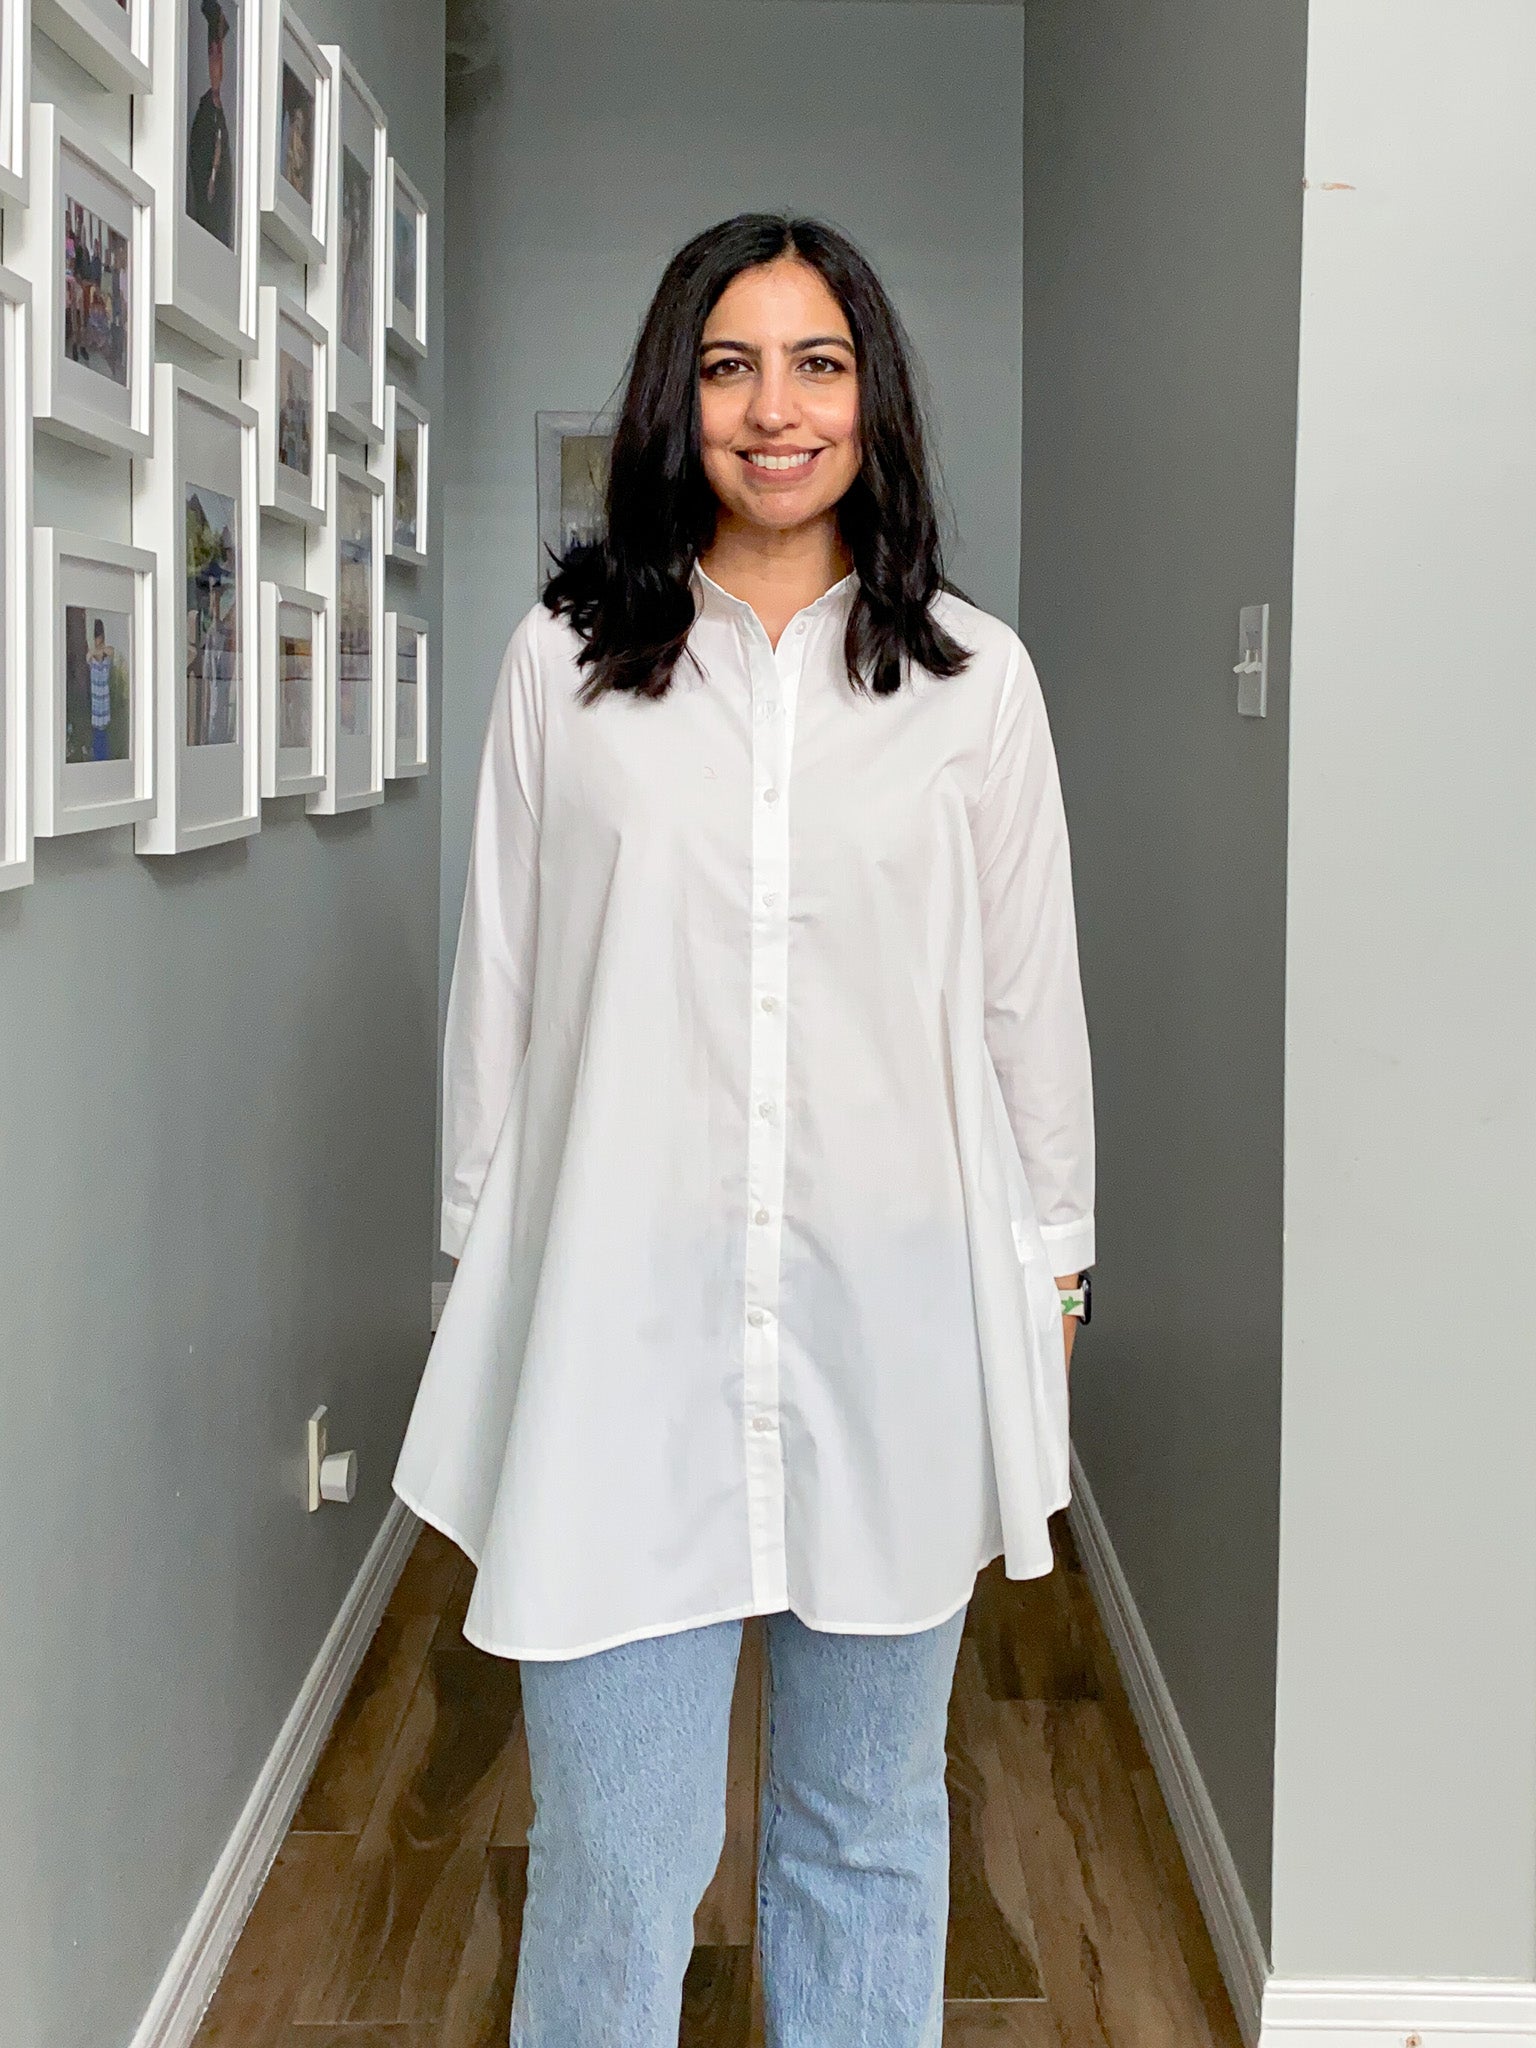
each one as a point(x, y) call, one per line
point(761, 1216)
point(762, 1422)
point(770, 896)
point(756, 1315)
point(769, 1003)
point(765, 1109)
point(799, 626)
point(770, 796)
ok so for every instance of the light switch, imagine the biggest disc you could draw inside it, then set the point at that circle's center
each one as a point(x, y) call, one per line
point(1252, 667)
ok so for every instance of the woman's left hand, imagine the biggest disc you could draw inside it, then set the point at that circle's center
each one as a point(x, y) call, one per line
point(1068, 1333)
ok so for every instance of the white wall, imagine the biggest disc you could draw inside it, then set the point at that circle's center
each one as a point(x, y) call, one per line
point(1405, 1825)
point(617, 129)
point(216, 1130)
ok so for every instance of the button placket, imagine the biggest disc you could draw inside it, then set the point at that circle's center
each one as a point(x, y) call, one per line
point(774, 676)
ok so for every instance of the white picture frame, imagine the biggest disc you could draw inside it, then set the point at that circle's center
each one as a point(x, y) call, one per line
point(286, 382)
point(404, 464)
point(195, 508)
point(407, 252)
point(16, 776)
point(293, 706)
point(407, 647)
point(112, 42)
point(93, 336)
point(15, 96)
point(347, 289)
point(206, 212)
point(354, 737)
point(93, 611)
point(295, 134)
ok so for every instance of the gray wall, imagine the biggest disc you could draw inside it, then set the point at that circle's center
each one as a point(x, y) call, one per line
point(216, 1133)
point(1405, 1819)
point(617, 130)
point(1162, 249)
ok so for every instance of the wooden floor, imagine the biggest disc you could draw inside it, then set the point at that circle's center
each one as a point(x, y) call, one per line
point(391, 1916)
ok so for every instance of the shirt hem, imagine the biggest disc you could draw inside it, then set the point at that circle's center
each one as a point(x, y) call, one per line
point(740, 1612)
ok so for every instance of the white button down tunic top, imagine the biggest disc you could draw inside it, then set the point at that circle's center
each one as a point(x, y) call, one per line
point(767, 1126)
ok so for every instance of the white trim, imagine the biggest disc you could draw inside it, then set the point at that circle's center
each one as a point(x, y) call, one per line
point(181, 1998)
point(439, 1300)
point(1429, 2012)
point(1224, 1903)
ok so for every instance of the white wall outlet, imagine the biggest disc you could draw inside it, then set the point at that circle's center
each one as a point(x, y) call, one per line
point(317, 1449)
point(332, 1474)
point(1252, 669)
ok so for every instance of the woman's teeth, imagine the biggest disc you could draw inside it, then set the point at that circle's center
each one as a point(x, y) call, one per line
point(783, 461)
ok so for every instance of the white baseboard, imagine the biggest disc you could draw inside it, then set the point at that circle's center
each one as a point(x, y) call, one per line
point(193, 1973)
point(1239, 1948)
point(1423, 2012)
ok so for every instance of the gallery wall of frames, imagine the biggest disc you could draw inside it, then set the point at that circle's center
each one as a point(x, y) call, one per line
point(177, 680)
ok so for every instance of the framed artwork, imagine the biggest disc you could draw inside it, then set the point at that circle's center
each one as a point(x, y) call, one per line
point(15, 582)
point(94, 677)
point(405, 707)
point(286, 383)
point(295, 134)
point(406, 296)
point(195, 509)
point(572, 478)
point(108, 38)
point(406, 429)
point(347, 290)
point(194, 139)
point(15, 92)
point(85, 244)
point(294, 648)
point(351, 564)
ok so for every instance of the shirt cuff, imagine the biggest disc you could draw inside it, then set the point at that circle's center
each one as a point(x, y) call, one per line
point(1070, 1245)
point(456, 1222)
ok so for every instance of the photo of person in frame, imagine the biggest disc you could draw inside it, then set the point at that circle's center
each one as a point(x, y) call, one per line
point(211, 141)
point(356, 255)
point(295, 676)
point(296, 153)
point(405, 256)
point(95, 293)
point(213, 636)
point(407, 485)
point(97, 712)
point(295, 408)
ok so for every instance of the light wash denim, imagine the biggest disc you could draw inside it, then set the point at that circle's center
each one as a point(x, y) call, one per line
point(628, 1749)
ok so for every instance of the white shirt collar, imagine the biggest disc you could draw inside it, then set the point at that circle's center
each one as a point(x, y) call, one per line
point(716, 602)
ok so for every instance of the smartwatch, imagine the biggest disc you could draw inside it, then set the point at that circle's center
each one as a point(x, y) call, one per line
point(1078, 1301)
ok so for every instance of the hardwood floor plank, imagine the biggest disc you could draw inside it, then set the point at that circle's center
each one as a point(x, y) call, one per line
point(342, 1789)
point(991, 1950)
point(295, 1906)
point(1029, 1634)
point(370, 2036)
point(411, 1889)
point(430, 1570)
point(514, 1816)
point(717, 1999)
point(727, 1911)
point(986, 2024)
point(479, 2005)
point(1109, 1956)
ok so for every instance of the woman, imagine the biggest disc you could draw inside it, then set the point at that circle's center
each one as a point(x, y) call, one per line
point(767, 1125)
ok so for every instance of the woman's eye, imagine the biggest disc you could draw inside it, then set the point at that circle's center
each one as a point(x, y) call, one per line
point(721, 364)
point(823, 363)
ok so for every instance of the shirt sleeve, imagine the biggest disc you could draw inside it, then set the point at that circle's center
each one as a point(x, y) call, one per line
point(1036, 1029)
point(490, 996)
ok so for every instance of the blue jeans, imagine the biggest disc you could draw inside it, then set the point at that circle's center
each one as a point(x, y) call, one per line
point(627, 1749)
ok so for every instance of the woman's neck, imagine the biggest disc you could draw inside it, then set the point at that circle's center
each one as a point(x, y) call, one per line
point(777, 572)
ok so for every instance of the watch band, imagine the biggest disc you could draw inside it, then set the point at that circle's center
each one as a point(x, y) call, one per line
point(1078, 1301)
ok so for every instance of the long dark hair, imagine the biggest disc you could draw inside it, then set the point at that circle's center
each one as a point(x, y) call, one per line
point(627, 592)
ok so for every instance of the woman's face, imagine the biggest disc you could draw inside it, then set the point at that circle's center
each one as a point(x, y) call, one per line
point(779, 396)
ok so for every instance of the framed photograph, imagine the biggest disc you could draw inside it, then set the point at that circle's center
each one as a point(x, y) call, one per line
point(286, 383)
point(347, 290)
point(405, 471)
point(295, 134)
point(405, 706)
point(94, 671)
point(15, 582)
point(85, 244)
point(194, 139)
point(406, 296)
point(15, 92)
point(572, 477)
point(108, 38)
point(351, 564)
point(195, 509)
point(294, 647)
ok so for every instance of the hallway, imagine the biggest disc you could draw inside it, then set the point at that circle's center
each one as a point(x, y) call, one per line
point(390, 1917)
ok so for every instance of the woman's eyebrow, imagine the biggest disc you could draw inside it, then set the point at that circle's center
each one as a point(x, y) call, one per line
point(748, 348)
